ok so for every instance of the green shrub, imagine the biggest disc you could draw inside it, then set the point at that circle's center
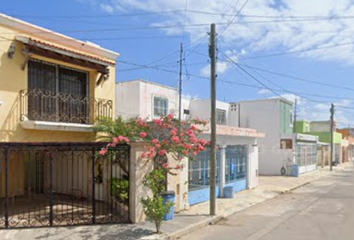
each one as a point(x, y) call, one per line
point(154, 208)
point(120, 188)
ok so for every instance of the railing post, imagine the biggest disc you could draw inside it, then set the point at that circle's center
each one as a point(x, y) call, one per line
point(51, 190)
point(6, 189)
point(93, 187)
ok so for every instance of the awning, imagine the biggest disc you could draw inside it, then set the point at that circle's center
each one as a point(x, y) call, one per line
point(50, 50)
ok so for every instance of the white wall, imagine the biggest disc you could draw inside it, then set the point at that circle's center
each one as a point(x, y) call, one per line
point(185, 106)
point(253, 166)
point(136, 98)
point(201, 108)
point(264, 116)
point(127, 99)
point(147, 93)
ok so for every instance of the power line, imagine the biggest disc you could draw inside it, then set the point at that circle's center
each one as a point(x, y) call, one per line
point(235, 16)
point(294, 92)
point(298, 78)
point(132, 28)
point(239, 84)
point(183, 10)
point(291, 77)
point(299, 51)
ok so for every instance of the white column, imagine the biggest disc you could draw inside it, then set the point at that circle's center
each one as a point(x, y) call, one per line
point(222, 170)
point(252, 166)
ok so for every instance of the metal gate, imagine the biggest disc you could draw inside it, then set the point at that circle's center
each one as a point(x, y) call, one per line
point(58, 184)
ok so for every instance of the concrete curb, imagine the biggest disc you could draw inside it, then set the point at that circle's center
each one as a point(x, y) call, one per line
point(306, 183)
point(192, 228)
point(216, 219)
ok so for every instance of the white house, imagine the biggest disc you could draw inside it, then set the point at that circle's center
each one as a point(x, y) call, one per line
point(237, 157)
point(279, 150)
point(145, 99)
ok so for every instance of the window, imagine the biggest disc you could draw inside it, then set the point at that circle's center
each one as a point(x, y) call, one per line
point(186, 111)
point(57, 93)
point(220, 116)
point(160, 106)
point(286, 144)
point(236, 161)
point(199, 170)
point(306, 154)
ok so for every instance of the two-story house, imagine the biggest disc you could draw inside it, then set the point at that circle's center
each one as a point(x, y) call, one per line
point(237, 157)
point(281, 148)
point(52, 89)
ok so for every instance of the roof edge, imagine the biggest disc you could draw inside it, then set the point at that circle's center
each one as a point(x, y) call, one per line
point(55, 37)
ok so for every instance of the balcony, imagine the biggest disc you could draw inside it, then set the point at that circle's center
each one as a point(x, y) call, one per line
point(45, 110)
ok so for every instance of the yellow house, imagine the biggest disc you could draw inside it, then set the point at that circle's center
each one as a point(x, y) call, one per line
point(52, 89)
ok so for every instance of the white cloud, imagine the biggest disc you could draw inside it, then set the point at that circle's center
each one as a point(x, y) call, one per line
point(221, 67)
point(264, 91)
point(107, 8)
point(254, 33)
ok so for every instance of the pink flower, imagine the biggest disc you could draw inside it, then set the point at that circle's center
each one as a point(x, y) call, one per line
point(162, 152)
point(157, 121)
point(175, 139)
point(143, 134)
point(115, 140)
point(150, 155)
point(165, 165)
point(120, 138)
point(173, 132)
point(103, 151)
point(195, 153)
point(187, 146)
point(186, 152)
point(193, 140)
point(154, 141)
point(169, 116)
point(157, 146)
point(181, 134)
point(125, 139)
point(143, 155)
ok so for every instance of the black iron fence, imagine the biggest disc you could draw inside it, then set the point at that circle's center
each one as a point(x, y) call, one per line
point(58, 184)
point(43, 105)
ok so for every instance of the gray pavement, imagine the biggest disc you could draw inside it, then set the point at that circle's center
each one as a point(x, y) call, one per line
point(323, 209)
point(197, 216)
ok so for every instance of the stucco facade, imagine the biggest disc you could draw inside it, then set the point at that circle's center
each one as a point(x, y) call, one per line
point(33, 55)
point(135, 98)
point(281, 148)
point(14, 78)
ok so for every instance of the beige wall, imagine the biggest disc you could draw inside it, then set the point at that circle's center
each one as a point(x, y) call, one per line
point(13, 79)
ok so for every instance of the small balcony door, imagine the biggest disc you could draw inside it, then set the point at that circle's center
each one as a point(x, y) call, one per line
point(57, 93)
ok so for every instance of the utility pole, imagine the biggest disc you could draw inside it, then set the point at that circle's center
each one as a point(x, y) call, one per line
point(212, 55)
point(332, 133)
point(180, 85)
point(295, 115)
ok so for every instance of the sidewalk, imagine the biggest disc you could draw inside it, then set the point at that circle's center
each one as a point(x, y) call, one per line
point(183, 223)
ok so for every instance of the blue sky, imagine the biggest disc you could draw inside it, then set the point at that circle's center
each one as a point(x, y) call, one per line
point(300, 38)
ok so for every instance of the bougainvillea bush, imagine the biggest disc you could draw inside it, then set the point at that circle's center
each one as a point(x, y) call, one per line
point(162, 137)
point(165, 135)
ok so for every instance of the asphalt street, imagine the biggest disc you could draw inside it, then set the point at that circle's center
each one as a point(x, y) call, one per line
point(322, 210)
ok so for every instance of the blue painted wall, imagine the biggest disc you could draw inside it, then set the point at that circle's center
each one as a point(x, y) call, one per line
point(201, 195)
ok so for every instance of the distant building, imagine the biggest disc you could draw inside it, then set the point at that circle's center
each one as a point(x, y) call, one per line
point(281, 148)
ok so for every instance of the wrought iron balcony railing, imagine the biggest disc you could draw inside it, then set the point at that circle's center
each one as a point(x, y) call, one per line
point(42, 105)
